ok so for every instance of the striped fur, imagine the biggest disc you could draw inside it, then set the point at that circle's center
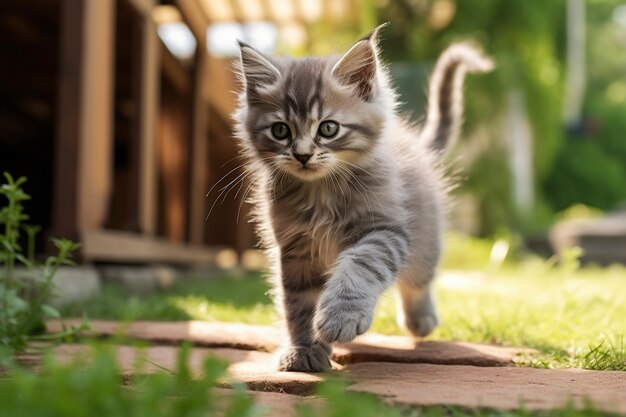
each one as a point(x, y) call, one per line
point(366, 209)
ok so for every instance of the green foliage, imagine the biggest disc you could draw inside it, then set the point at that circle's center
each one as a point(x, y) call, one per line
point(491, 190)
point(590, 167)
point(585, 173)
point(23, 296)
point(94, 388)
point(526, 40)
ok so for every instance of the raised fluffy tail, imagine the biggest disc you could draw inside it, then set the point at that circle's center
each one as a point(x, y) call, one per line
point(445, 95)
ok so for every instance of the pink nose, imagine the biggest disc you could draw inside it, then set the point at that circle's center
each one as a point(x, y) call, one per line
point(303, 158)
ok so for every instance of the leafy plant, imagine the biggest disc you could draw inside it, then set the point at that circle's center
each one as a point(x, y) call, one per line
point(24, 292)
point(94, 387)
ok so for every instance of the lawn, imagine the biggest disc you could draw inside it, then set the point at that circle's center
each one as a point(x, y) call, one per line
point(573, 317)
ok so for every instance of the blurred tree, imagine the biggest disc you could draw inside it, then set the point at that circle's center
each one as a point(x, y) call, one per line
point(591, 168)
point(526, 39)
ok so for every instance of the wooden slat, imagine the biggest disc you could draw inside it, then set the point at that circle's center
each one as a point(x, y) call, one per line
point(114, 246)
point(194, 17)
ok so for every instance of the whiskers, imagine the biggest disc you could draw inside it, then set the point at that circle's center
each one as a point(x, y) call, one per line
point(233, 183)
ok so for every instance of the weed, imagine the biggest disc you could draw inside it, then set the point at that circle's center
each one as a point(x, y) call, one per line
point(23, 296)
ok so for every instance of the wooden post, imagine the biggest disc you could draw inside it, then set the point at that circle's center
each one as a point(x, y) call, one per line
point(82, 182)
point(95, 147)
point(65, 195)
point(148, 105)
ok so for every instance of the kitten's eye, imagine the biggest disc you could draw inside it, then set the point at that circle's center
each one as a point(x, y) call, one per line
point(280, 130)
point(328, 129)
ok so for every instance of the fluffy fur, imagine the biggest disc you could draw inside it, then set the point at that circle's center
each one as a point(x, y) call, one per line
point(365, 208)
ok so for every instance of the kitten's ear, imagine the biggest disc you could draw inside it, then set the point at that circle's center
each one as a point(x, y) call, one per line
point(257, 69)
point(357, 67)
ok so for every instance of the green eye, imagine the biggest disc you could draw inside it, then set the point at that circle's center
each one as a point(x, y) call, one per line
point(328, 129)
point(280, 130)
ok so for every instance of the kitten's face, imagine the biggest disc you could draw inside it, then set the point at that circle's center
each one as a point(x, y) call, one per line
point(312, 117)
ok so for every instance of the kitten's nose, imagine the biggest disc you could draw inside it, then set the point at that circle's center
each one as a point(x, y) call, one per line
point(303, 157)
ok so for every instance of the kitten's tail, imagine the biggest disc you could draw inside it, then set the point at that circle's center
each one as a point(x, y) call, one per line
point(445, 96)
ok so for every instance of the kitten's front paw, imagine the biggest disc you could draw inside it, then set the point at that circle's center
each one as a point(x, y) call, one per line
point(341, 320)
point(314, 358)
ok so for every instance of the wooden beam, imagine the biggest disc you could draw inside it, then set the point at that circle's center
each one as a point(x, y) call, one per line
point(148, 112)
point(143, 7)
point(194, 17)
point(115, 246)
point(95, 150)
point(199, 153)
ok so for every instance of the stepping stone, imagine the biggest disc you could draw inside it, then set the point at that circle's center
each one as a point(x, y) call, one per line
point(379, 348)
point(368, 348)
point(497, 388)
point(200, 333)
point(160, 358)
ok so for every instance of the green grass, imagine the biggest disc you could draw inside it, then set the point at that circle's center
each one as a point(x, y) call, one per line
point(240, 298)
point(574, 318)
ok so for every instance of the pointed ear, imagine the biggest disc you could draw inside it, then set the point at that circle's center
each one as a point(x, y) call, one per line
point(257, 69)
point(358, 66)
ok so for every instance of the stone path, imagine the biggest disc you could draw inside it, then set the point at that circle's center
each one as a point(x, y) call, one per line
point(395, 368)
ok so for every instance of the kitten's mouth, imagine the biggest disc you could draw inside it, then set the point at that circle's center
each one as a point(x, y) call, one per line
point(306, 172)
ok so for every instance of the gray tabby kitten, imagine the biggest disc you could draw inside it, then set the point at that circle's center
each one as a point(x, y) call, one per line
point(349, 196)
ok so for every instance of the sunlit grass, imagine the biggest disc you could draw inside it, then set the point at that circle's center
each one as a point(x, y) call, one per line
point(574, 318)
point(231, 298)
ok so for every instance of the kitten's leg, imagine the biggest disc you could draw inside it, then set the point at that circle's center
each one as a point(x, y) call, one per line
point(417, 310)
point(300, 293)
point(361, 274)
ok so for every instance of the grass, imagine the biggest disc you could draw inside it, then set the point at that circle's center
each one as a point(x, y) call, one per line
point(573, 317)
point(240, 298)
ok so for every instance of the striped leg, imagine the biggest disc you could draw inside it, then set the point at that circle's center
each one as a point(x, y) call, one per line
point(361, 274)
point(301, 288)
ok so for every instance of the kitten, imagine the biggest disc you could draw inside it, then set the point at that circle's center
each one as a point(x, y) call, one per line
point(349, 196)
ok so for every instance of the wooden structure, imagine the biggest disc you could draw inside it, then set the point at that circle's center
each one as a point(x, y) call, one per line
point(119, 138)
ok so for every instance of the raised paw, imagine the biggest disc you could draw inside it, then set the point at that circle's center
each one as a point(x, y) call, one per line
point(314, 358)
point(421, 325)
point(417, 312)
point(341, 320)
